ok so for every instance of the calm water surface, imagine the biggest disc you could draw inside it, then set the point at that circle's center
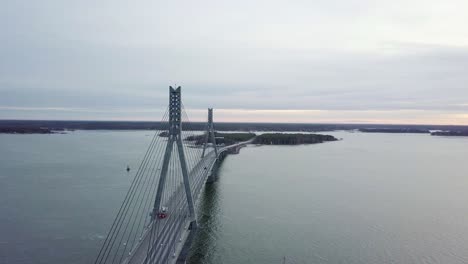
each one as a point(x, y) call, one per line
point(370, 198)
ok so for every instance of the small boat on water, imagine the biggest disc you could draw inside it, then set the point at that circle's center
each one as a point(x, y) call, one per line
point(128, 168)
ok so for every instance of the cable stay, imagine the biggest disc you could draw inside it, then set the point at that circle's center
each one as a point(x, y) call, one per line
point(158, 212)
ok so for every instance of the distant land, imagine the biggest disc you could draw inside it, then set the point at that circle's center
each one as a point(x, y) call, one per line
point(48, 126)
point(221, 138)
point(263, 139)
point(396, 130)
point(25, 130)
point(291, 139)
point(456, 133)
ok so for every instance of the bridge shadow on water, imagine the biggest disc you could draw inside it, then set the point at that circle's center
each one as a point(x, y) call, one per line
point(205, 241)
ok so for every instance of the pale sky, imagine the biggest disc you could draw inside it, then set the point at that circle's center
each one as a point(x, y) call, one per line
point(325, 61)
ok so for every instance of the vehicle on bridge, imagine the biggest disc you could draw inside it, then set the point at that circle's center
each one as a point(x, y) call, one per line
point(162, 213)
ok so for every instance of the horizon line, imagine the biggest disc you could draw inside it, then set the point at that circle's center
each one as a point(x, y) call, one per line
point(236, 122)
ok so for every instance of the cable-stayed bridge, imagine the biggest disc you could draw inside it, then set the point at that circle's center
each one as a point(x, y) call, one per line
point(157, 220)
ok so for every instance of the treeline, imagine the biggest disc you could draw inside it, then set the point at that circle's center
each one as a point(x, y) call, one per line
point(222, 138)
point(220, 126)
point(395, 130)
point(451, 133)
point(25, 130)
point(291, 139)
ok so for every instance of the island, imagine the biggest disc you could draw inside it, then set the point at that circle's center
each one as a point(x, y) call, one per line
point(395, 130)
point(26, 130)
point(164, 134)
point(222, 138)
point(264, 139)
point(291, 139)
point(460, 133)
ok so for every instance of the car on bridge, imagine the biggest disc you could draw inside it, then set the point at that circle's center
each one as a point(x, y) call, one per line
point(162, 213)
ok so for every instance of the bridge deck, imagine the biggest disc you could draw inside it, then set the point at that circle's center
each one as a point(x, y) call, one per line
point(163, 239)
point(165, 231)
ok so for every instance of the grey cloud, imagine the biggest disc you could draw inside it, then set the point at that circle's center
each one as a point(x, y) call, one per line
point(110, 55)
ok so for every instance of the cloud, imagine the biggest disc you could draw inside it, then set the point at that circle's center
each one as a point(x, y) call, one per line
point(323, 55)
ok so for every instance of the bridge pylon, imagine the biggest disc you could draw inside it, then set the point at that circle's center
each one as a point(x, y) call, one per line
point(210, 134)
point(179, 180)
point(175, 137)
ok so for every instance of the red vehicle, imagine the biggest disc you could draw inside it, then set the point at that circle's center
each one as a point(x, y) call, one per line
point(163, 213)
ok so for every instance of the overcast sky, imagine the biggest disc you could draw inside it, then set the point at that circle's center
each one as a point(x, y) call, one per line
point(351, 61)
